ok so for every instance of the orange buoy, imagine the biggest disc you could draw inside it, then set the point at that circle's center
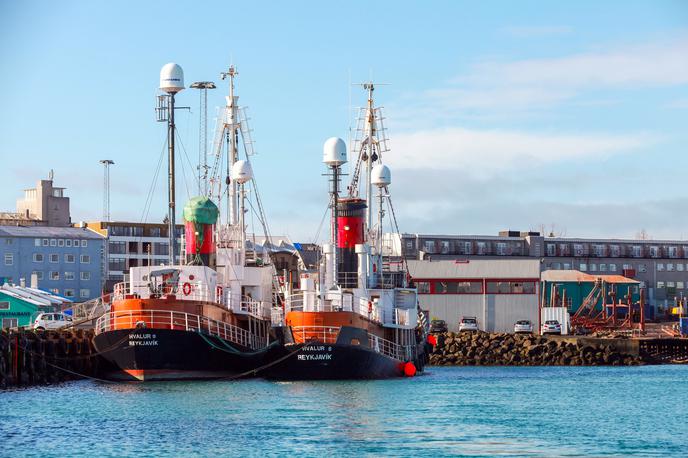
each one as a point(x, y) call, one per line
point(409, 369)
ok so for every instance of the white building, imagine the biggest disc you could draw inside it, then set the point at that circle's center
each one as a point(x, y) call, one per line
point(496, 292)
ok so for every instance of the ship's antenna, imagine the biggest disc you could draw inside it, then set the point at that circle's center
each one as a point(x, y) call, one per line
point(203, 87)
point(232, 138)
point(171, 82)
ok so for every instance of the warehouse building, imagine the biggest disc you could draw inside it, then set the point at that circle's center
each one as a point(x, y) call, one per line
point(661, 266)
point(497, 293)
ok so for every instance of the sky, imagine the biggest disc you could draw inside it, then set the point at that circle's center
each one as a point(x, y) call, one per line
point(570, 117)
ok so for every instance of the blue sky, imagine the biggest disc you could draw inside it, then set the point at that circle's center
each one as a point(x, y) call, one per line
point(572, 116)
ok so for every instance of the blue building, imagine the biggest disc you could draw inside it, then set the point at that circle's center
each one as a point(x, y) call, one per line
point(67, 261)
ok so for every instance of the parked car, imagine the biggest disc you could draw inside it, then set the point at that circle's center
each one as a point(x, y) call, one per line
point(438, 326)
point(468, 323)
point(551, 327)
point(46, 321)
point(523, 326)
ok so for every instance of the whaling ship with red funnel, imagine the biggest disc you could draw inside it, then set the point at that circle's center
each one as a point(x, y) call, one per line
point(357, 317)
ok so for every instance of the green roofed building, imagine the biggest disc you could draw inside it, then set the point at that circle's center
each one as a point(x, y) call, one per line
point(20, 305)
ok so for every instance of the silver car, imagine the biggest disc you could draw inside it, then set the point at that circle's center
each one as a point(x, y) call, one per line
point(551, 327)
point(523, 326)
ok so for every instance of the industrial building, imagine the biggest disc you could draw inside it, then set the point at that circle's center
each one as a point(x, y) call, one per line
point(661, 266)
point(497, 293)
point(66, 261)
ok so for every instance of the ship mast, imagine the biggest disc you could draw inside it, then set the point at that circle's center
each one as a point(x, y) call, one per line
point(232, 127)
point(171, 82)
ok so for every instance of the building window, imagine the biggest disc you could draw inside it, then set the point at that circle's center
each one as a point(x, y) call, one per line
point(76, 243)
point(467, 248)
point(627, 266)
point(429, 246)
point(654, 251)
point(60, 242)
point(679, 267)
point(598, 250)
point(54, 258)
point(612, 267)
point(593, 267)
point(69, 276)
point(603, 267)
point(670, 267)
point(673, 252)
point(118, 248)
point(567, 266)
point(53, 242)
point(84, 243)
point(68, 242)
point(37, 242)
point(510, 287)
point(679, 285)
point(583, 267)
point(85, 276)
point(423, 287)
point(501, 248)
point(84, 293)
point(38, 273)
point(642, 268)
point(54, 275)
point(69, 258)
point(85, 259)
point(68, 292)
point(577, 249)
point(614, 251)
point(481, 248)
point(551, 249)
point(9, 259)
point(155, 232)
point(4, 305)
point(37, 257)
point(10, 323)
point(660, 285)
point(117, 264)
point(660, 267)
point(46, 242)
point(444, 247)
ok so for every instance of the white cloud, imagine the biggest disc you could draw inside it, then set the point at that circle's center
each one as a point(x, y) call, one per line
point(652, 64)
point(488, 151)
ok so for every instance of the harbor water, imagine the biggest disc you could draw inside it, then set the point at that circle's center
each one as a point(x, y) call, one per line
point(474, 411)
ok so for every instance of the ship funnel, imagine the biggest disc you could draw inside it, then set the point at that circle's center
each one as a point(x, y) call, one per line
point(242, 172)
point(171, 78)
point(381, 176)
point(334, 152)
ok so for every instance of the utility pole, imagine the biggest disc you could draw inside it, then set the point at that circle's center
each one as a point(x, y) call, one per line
point(106, 188)
point(203, 87)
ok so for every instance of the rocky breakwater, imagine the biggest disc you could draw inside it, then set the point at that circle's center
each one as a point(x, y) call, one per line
point(497, 349)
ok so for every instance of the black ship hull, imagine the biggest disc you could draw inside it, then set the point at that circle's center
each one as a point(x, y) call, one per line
point(317, 360)
point(146, 354)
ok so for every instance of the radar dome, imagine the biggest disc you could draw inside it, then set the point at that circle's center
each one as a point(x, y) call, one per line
point(242, 171)
point(334, 151)
point(381, 176)
point(171, 78)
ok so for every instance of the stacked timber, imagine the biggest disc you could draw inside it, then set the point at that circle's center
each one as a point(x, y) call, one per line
point(500, 349)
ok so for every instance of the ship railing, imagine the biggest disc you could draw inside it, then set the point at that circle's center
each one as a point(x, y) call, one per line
point(388, 348)
point(150, 320)
point(309, 301)
point(324, 334)
point(347, 279)
point(188, 291)
point(257, 309)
